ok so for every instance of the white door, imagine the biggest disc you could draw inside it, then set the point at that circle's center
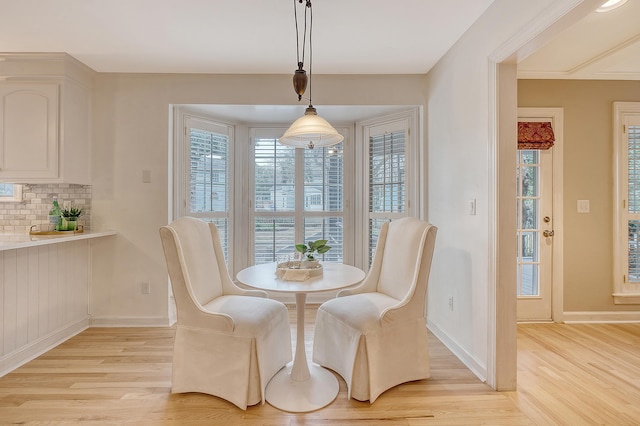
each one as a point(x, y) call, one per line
point(535, 233)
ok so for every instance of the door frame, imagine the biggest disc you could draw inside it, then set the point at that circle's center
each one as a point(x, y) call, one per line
point(556, 116)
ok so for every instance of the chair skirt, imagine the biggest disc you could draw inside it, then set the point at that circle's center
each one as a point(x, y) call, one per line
point(373, 357)
point(231, 366)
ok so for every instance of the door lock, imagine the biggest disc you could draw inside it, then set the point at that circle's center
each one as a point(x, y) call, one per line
point(548, 233)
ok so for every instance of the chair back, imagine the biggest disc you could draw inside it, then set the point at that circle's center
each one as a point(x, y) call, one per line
point(192, 261)
point(406, 260)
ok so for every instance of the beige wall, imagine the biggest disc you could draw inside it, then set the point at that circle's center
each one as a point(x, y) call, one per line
point(131, 134)
point(588, 175)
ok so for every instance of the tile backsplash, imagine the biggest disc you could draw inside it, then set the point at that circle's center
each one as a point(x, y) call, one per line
point(37, 200)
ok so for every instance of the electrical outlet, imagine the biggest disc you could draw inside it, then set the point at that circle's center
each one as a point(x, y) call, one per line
point(145, 287)
point(583, 206)
point(451, 303)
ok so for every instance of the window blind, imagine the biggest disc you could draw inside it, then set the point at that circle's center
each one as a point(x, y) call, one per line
point(387, 189)
point(633, 205)
point(208, 180)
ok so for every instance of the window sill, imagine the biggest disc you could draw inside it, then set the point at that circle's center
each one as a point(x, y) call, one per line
point(626, 298)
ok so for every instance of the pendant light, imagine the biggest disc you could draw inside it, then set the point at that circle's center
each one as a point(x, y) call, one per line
point(310, 130)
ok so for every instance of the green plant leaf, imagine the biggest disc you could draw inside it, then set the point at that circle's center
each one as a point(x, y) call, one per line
point(323, 249)
point(302, 248)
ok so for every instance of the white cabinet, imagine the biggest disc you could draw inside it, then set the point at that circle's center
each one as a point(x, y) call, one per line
point(45, 120)
point(28, 131)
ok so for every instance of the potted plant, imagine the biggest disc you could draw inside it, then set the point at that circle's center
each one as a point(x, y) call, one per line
point(307, 251)
point(70, 219)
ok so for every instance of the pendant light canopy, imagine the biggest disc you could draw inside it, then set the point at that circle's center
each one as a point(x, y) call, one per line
point(310, 130)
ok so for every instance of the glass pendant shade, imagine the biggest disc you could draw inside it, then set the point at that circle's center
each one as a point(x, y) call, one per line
point(310, 131)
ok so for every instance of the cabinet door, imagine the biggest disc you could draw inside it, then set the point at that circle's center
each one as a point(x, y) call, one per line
point(28, 131)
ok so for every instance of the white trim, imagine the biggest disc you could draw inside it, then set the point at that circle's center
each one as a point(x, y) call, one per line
point(33, 350)
point(556, 115)
point(118, 321)
point(184, 117)
point(626, 298)
point(574, 317)
point(492, 226)
point(471, 362)
point(622, 111)
point(522, 43)
point(410, 121)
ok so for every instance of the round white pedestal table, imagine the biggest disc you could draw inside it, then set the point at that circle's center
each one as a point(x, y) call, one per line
point(300, 386)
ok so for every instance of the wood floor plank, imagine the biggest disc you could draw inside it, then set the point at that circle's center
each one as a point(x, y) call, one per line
point(567, 375)
point(579, 373)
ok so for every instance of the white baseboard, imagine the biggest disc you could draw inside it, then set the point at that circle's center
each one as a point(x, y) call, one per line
point(21, 356)
point(467, 359)
point(601, 316)
point(129, 322)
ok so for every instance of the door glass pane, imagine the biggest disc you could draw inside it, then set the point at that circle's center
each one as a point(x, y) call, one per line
point(529, 250)
point(529, 179)
point(528, 275)
point(528, 234)
point(529, 213)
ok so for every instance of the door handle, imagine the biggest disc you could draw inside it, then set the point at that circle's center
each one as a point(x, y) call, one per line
point(548, 233)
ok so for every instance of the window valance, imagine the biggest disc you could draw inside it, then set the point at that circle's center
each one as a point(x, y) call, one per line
point(535, 135)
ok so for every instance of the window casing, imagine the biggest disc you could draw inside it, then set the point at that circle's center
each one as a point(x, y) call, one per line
point(204, 170)
point(267, 197)
point(626, 288)
point(298, 197)
point(390, 161)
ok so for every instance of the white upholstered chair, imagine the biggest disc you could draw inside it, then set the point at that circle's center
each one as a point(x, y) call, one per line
point(375, 335)
point(227, 343)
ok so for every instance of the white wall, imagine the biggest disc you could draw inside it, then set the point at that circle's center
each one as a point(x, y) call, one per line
point(463, 131)
point(131, 134)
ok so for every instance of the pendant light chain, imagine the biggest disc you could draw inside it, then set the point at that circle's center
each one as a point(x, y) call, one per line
point(310, 45)
point(301, 79)
point(310, 130)
point(304, 40)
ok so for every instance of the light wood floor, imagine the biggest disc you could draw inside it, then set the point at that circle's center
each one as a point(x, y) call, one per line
point(568, 375)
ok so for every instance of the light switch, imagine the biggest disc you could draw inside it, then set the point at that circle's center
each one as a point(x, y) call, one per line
point(146, 176)
point(472, 207)
point(583, 206)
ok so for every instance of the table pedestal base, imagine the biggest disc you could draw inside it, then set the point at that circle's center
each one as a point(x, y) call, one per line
point(319, 390)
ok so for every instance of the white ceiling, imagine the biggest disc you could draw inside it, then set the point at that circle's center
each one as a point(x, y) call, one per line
point(235, 36)
point(601, 46)
point(258, 36)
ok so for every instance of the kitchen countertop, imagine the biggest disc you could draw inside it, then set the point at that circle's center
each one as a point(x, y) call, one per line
point(12, 240)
